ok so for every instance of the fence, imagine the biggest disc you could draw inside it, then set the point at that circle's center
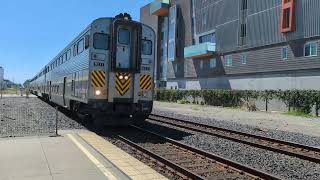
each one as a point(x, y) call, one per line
point(19, 122)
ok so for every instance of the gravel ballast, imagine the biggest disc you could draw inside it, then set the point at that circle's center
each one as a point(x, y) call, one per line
point(22, 116)
point(252, 128)
point(283, 166)
point(263, 120)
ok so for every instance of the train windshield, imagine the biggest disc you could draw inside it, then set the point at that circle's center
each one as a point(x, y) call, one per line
point(124, 36)
point(124, 49)
point(101, 41)
point(146, 47)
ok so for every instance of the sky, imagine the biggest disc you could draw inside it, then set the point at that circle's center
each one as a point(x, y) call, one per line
point(32, 32)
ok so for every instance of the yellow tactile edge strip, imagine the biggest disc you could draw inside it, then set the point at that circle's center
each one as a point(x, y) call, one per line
point(125, 162)
point(94, 160)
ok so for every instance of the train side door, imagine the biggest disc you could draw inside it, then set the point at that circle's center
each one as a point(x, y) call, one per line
point(64, 90)
point(50, 90)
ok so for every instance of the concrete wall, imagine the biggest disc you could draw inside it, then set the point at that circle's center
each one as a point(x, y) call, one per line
point(290, 80)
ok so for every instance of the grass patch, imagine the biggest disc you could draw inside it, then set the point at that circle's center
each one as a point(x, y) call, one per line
point(11, 91)
point(183, 102)
point(233, 107)
point(195, 108)
point(299, 114)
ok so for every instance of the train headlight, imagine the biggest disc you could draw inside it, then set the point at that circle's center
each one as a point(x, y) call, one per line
point(120, 77)
point(126, 77)
point(98, 92)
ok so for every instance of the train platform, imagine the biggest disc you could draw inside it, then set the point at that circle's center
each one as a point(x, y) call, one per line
point(79, 155)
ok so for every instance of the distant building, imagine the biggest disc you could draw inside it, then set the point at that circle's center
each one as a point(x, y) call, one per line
point(9, 84)
point(1, 77)
point(236, 44)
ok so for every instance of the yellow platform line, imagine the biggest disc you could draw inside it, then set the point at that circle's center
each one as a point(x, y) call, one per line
point(94, 160)
point(132, 167)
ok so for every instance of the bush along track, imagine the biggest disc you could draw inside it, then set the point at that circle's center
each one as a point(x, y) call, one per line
point(296, 100)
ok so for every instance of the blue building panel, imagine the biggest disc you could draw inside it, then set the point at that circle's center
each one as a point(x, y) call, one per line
point(200, 50)
point(160, 7)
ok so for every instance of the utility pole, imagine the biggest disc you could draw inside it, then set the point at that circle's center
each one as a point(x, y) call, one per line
point(1, 88)
point(1, 81)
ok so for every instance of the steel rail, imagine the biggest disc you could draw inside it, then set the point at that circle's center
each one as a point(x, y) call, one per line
point(164, 161)
point(254, 173)
point(288, 148)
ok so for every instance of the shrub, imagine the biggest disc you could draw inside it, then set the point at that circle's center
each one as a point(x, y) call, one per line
point(297, 100)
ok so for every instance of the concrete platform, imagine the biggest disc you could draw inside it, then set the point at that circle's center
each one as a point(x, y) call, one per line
point(53, 158)
point(80, 156)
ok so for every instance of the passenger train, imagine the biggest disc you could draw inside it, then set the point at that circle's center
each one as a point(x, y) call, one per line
point(106, 73)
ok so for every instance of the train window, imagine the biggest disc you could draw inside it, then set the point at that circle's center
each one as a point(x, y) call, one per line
point(80, 46)
point(86, 41)
point(124, 36)
point(69, 54)
point(146, 47)
point(65, 57)
point(74, 50)
point(101, 41)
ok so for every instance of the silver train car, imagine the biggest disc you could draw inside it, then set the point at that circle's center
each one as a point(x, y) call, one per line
point(106, 73)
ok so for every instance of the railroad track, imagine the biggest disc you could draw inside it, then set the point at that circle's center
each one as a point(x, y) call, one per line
point(284, 147)
point(187, 160)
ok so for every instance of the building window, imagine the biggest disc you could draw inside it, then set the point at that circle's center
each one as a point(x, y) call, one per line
point(172, 36)
point(213, 63)
point(244, 4)
point(204, 18)
point(175, 67)
point(287, 16)
point(243, 30)
point(162, 36)
point(228, 60)
point(172, 51)
point(208, 38)
point(243, 59)
point(310, 49)
point(284, 53)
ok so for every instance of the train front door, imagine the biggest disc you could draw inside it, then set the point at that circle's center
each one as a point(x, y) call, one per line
point(126, 59)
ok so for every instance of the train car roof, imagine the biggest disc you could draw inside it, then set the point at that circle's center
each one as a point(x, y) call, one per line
point(76, 38)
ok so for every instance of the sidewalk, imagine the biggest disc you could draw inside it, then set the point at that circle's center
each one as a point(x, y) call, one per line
point(53, 158)
point(17, 95)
